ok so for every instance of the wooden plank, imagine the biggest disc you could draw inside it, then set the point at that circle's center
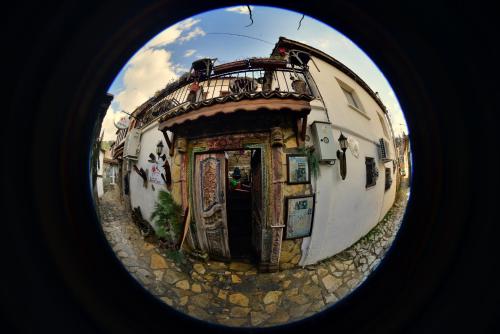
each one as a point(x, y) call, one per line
point(187, 219)
point(167, 139)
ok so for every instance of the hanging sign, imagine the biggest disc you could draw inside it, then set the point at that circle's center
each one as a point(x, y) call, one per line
point(122, 122)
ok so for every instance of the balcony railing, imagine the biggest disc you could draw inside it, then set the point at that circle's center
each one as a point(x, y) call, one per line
point(283, 80)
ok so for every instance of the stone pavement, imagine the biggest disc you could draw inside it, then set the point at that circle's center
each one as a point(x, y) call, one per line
point(236, 294)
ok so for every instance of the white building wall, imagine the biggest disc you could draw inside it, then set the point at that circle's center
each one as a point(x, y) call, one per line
point(140, 196)
point(345, 209)
point(100, 172)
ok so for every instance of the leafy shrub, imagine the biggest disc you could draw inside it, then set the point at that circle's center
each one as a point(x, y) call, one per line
point(167, 217)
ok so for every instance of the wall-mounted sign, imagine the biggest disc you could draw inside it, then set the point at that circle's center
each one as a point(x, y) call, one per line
point(122, 122)
point(299, 216)
point(298, 169)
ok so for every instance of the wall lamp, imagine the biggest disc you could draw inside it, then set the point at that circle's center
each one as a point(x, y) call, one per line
point(341, 155)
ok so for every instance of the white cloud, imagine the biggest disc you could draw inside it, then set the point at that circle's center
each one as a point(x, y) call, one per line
point(192, 34)
point(239, 9)
point(108, 125)
point(148, 72)
point(189, 52)
point(171, 34)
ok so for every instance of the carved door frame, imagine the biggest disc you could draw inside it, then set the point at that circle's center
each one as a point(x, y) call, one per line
point(272, 226)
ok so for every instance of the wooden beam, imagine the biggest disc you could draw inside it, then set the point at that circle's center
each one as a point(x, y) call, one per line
point(171, 147)
point(298, 131)
point(165, 134)
point(304, 128)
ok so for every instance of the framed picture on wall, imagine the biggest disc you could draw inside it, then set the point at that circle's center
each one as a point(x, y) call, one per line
point(299, 216)
point(298, 171)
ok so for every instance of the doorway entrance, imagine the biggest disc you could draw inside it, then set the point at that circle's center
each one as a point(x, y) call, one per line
point(227, 201)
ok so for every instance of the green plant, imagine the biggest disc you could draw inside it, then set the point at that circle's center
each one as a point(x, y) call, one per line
point(167, 217)
point(313, 160)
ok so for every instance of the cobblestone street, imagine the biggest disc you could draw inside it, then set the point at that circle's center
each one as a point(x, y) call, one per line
point(236, 294)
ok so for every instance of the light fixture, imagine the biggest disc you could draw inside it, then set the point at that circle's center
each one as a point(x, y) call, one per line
point(341, 155)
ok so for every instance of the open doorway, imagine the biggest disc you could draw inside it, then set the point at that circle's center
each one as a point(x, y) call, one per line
point(241, 174)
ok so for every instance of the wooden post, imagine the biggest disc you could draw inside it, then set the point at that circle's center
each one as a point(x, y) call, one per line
point(304, 128)
point(169, 144)
point(171, 151)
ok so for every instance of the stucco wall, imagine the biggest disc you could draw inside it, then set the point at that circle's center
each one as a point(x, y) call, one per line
point(145, 197)
point(345, 209)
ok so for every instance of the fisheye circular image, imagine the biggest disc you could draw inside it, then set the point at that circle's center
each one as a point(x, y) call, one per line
point(252, 168)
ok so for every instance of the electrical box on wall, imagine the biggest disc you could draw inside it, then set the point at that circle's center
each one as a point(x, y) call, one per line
point(322, 133)
point(131, 145)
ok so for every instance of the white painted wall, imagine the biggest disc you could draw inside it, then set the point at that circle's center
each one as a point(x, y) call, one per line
point(147, 197)
point(345, 209)
point(100, 172)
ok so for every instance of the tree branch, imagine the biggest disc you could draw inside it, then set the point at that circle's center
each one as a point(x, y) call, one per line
point(250, 13)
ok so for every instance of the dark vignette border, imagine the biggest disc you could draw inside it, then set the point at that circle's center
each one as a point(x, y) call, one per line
point(63, 275)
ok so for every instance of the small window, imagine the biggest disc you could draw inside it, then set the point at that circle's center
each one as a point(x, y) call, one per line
point(371, 172)
point(388, 178)
point(350, 98)
point(384, 127)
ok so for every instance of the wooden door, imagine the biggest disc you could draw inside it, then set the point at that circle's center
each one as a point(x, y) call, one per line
point(210, 204)
point(257, 201)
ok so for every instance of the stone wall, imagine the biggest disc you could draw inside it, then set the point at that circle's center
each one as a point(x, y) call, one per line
point(290, 253)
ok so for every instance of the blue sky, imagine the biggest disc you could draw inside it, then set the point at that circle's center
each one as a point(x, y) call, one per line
point(170, 53)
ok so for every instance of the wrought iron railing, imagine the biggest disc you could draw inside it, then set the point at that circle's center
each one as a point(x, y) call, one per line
point(283, 80)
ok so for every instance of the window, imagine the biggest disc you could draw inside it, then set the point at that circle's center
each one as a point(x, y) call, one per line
point(371, 172)
point(384, 127)
point(388, 178)
point(350, 97)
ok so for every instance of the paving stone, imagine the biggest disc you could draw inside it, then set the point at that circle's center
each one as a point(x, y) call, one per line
point(238, 299)
point(239, 311)
point(216, 265)
point(322, 272)
point(272, 297)
point(122, 254)
point(200, 269)
point(158, 262)
point(184, 285)
point(292, 292)
point(197, 312)
point(158, 274)
point(167, 301)
point(233, 322)
point(183, 300)
point(172, 276)
point(342, 292)
point(298, 311)
point(201, 300)
point(314, 278)
point(286, 284)
point(312, 291)
point(279, 317)
point(299, 274)
point(257, 318)
point(235, 279)
point(240, 266)
point(196, 288)
point(271, 308)
point(331, 283)
point(298, 299)
point(331, 298)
